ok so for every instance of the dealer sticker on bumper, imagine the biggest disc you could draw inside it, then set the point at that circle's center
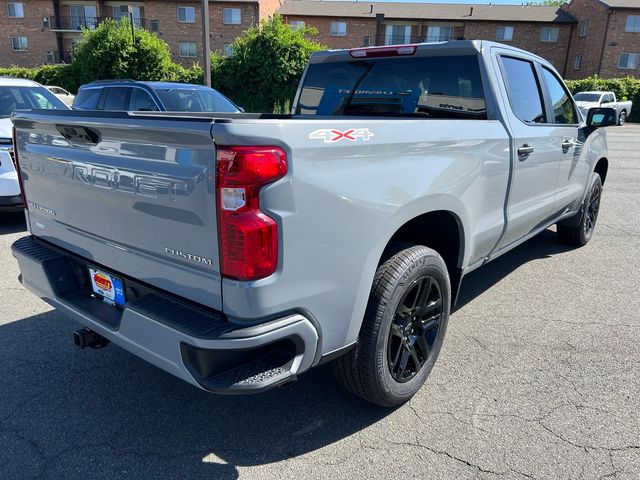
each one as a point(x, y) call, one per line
point(110, 288)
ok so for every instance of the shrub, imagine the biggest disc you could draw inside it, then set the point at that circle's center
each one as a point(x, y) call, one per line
point(110, 52)
point(263, 73)
point(61, 75)
point(625, 88)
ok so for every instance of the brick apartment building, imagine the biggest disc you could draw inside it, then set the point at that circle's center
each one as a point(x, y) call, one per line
point(44, 31)
point(542, 30)
point(606, 38)
point(580, 38)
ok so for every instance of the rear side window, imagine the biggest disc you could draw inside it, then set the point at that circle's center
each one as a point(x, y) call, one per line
point(141, 101)
point(524, 90)
point(117, 99)
point(87, 99)
point(563, 110)
point(429, 87)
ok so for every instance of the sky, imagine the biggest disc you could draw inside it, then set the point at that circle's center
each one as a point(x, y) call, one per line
point(478, 2)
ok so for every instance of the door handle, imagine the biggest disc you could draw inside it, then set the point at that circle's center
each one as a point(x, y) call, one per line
point(525, 150)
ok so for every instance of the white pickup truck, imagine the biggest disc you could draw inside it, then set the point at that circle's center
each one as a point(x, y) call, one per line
point(587, 100)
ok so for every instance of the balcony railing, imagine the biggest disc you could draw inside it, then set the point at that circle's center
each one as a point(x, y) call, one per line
point(79, 23)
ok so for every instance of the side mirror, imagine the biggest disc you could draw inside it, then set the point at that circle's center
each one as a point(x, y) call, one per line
point(601, 117)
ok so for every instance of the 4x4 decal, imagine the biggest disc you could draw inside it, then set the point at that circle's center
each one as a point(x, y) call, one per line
point(331, 135)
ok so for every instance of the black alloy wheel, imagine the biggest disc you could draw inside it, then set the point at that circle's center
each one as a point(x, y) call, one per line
point(593, 207)
point(414, 328)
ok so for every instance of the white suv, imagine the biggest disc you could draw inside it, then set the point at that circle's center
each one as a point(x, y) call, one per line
point(17, 94)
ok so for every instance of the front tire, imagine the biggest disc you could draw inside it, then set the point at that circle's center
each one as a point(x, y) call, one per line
point(580, 233)
point(622, 118)
point(403, 328)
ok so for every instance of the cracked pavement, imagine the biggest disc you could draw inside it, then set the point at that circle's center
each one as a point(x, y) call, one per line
point(538, 379)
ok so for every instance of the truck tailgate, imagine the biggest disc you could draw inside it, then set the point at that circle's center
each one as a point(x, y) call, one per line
point(133, 194)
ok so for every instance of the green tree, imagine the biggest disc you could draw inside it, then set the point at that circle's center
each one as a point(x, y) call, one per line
point(266, 65)
point(109, 51)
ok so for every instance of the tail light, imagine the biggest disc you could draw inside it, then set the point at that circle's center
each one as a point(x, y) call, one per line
point(248, 237)
point(16, 164)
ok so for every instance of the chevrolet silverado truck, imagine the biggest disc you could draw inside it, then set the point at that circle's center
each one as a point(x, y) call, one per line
point(588, 100)
point(237, 251)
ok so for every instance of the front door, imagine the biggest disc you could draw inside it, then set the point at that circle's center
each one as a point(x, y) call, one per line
point(572, 174)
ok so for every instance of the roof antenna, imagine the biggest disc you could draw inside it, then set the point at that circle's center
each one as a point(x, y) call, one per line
point(371, 11)
point(471, 12)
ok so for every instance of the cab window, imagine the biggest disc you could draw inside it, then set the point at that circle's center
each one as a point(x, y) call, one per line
point(523, 90)
point(421, 87)
point(564, 111)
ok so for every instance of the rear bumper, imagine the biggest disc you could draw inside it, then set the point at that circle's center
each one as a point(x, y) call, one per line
point(198, 346)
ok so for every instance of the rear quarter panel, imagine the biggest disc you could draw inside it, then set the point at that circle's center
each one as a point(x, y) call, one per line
point(342, 201)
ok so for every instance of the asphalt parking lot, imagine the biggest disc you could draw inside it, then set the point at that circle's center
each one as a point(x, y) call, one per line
point(539, 378)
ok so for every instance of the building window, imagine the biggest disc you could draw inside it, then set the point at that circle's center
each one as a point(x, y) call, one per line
point(584, 28)
point(628, 61)
point(338, 29)
point(504, 34)
point(187, 14)
point(155, 25)
point(439, 34)
point(632, 24)
point(15, 10)
point(366, 40)
point(83, 16)
point(397, 34)
point(19, 44)
point(122, 11)
point(228, 50)
point(577, 63)
point(187, 49)
point(296, 24)
point(549, 34)
point(231, 16)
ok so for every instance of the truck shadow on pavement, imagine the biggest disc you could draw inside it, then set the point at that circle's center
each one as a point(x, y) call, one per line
point(69, 413)
point(12, 223)
point(543, 245)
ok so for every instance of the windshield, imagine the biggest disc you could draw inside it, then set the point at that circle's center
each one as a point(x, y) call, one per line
point(27, 98)
point(195, 100)
point(430, 87)
point(587, 97)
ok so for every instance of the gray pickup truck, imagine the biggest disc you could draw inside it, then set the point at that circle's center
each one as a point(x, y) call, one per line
point(237, 251)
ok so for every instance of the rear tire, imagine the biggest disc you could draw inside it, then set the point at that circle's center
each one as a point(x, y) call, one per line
point(622, 118)
point(580, 234)
point(403, 328)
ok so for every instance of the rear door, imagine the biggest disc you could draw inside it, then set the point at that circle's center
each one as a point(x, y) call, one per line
point(535, 156)
point(132, 194)
point(572, 174)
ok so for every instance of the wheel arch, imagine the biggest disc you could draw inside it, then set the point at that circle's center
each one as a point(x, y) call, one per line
point(448, 239)
point(601, 168)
